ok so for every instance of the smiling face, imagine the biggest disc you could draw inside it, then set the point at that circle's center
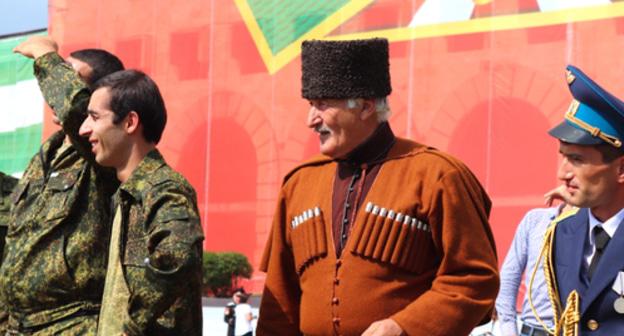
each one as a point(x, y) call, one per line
point(590, 182)
point(341, 128)
point(110, 141)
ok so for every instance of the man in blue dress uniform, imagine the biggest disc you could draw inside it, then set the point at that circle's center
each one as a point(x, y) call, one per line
point(587, 249)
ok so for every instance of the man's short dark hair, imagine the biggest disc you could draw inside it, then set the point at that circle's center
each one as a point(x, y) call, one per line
point(609, 153)
point(133, 90)
point(102, 63)
point(240, 292)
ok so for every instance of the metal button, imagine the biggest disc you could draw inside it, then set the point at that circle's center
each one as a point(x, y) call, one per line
point(146, 261)
point(336, 320)
point(336, 281)
point(338, 263)
point(335, 300)
point(592, 325)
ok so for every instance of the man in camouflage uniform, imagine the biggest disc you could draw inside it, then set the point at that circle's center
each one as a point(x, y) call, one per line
point(153, 282)
point(52, 278)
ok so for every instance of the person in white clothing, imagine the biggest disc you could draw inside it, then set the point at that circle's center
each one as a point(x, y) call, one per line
point(243, 314)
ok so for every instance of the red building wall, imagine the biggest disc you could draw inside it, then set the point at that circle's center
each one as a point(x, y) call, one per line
point(485, 89)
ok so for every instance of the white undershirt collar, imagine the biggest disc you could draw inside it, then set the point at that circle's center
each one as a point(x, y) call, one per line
point(610, 225)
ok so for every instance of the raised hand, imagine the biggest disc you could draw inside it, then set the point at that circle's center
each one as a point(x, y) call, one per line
point(35, 46)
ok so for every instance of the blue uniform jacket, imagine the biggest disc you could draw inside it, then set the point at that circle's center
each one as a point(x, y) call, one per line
point(596, 297)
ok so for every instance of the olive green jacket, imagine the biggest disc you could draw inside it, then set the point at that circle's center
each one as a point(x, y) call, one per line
point(57, 241)
point(161, 250)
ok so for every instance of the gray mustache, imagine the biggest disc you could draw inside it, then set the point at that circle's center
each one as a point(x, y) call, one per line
point(321, 128)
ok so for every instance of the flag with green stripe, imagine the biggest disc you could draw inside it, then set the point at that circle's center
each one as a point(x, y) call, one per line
point(283, 22)
point(21, 114)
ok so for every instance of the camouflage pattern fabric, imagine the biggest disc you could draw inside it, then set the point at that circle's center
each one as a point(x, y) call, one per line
point(53, 273)
point(73, 326)
point(161, 250)
point(7, 184)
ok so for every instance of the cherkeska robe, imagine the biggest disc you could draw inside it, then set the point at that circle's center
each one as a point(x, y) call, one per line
point(420, 251)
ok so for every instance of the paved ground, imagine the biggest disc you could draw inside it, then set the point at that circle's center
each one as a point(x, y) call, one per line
point(213, 321)
point(214, 325)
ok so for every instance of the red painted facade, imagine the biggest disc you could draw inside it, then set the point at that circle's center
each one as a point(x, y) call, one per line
point(235, 129)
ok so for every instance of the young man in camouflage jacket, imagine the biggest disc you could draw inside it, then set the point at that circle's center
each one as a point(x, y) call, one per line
point(52, 278)
point(153, 282)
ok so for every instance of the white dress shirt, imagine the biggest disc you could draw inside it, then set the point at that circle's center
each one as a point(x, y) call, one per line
point(610, 225)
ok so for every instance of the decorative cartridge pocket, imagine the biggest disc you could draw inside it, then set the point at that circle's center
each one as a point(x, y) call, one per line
point(418, 255)
point(308, 238)
point(361, 233)
point(392, 237)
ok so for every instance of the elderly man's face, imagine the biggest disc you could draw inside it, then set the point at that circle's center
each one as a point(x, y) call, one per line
point(339, 126)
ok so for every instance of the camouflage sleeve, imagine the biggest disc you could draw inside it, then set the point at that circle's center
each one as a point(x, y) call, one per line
point(67, 95)
point(7, 184)
point(174, 247)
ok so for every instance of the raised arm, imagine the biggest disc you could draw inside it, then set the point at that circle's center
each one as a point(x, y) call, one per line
point(63, 90)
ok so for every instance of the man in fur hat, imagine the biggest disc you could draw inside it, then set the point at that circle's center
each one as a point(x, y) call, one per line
point(379, 235)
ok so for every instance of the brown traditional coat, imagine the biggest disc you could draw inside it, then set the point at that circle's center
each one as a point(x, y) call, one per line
point(434, 275)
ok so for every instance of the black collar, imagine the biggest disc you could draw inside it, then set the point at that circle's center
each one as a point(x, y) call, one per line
point(373, 149)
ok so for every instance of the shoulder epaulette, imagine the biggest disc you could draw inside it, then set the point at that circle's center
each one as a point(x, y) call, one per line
point(565, 214)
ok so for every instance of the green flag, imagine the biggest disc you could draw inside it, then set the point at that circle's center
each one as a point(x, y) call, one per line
point(21, 113)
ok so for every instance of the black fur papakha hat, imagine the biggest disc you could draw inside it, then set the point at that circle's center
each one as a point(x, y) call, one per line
point(345, 69)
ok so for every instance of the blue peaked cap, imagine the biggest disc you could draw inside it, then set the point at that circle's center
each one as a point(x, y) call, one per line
point(594, 117)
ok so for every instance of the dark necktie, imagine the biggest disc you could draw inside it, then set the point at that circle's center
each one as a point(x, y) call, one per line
point(601, 239)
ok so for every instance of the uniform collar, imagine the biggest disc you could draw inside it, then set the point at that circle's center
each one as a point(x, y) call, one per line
point(610, 225)
point(139, 177)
